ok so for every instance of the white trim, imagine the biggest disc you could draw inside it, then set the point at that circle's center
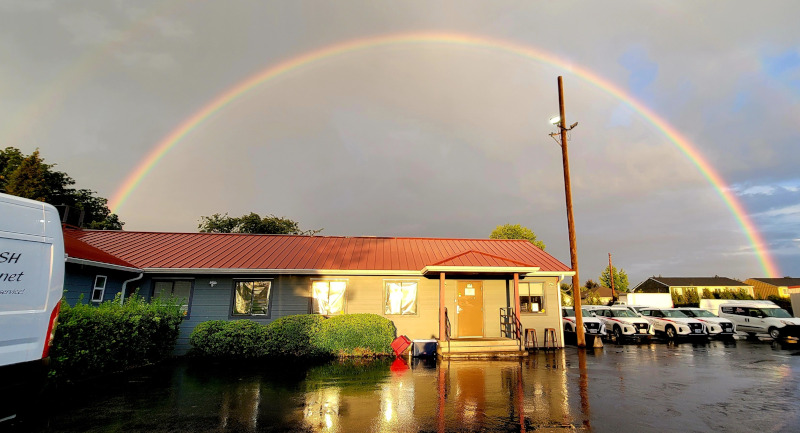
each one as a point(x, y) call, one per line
point(102, 289)
point(480, 269)
point(78, 261)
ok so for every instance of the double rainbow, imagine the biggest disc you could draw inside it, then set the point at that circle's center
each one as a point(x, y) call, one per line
point(151, 160)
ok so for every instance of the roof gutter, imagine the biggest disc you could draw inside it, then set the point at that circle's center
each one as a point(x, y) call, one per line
point(101, 264)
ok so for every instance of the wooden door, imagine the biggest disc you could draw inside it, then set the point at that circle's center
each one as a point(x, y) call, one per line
point(469, 307)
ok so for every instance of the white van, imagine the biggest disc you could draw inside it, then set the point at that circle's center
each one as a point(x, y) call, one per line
point(31, 285)
point(762, 317)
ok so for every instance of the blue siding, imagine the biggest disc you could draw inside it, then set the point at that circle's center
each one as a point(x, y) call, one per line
point(79, 281)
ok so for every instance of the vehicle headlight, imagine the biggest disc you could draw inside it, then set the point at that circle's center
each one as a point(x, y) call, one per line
point(786, 322)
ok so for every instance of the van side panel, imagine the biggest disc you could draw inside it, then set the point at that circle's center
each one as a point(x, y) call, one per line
point(31, 276)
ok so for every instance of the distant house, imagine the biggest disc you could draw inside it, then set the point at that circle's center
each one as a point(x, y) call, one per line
point(765, 287)
point(429, 288)
point(603, 294)
point(679, 285)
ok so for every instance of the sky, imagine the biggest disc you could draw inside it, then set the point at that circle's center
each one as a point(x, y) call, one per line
point(429, 139)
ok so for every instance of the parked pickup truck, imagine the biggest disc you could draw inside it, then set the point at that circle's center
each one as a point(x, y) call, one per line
point(673, 323)
point(624, 323)
point(591, 324)
point(717, 327)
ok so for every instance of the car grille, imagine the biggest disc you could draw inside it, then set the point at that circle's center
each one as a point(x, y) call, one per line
point(641, 327)
point(697, 328)
point(592, 327)
point(727, 327)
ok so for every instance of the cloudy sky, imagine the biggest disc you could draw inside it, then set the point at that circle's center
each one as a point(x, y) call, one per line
point(428, 139)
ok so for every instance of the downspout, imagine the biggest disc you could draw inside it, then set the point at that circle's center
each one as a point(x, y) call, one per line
point(125, 284)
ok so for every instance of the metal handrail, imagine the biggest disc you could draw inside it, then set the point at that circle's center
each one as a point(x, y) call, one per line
point(510, 325)
point(447, 329)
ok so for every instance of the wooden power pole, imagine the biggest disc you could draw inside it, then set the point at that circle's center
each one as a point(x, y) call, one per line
point(573, 248)
point(611, 277)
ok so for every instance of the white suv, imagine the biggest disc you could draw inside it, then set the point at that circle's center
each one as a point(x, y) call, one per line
point(761, 318)
point(624, 323)
point(673, 323)
point(591, 324)
point(717, 327)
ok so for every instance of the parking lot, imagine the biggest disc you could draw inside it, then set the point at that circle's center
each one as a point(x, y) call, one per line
point(737, 386)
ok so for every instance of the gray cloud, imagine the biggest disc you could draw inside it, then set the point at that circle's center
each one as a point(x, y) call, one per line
point(426, 139)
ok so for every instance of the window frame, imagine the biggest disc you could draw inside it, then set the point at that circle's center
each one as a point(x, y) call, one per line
point(102, 289)
point(542, 306)
point(386, 281)
point(251, 316)
point(346, 282)
point(173, 280)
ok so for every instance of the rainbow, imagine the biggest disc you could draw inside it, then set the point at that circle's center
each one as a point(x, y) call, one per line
point(220, 102)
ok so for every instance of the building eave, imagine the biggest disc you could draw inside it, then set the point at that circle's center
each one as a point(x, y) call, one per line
point(86, 262)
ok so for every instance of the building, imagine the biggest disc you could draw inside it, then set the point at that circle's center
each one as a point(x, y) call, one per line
point(447, 289)
point(766, 287)
point(680, 285)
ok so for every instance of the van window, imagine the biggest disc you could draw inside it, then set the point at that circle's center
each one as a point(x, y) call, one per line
point(99, 288)
point(776, 312)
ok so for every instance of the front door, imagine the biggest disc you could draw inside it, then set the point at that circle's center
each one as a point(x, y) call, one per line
point(469, 307)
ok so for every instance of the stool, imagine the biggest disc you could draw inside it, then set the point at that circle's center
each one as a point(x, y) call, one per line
point(550, 337)
point(530, 339)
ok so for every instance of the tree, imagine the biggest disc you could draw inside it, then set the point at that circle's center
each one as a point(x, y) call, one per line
point(620, 279)
point(30, 177)
point(590, 284)
point(252, 223)
point(516, 231)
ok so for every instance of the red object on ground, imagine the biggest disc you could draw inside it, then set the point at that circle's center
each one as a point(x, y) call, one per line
point(400, 344)
point(399, 366)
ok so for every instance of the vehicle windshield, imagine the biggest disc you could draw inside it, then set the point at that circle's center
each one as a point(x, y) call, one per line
point(623, 313)
point(673, 313)
point(698, 313)
point(570, 312)
point(776, 312)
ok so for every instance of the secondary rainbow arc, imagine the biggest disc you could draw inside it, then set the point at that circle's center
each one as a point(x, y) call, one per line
point(186, 127)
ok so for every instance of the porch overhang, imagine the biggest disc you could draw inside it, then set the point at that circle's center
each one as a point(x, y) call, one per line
point(521, 270)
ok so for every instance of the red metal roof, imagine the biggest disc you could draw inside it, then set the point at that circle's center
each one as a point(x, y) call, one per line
point(247, 251)
point(81, 250)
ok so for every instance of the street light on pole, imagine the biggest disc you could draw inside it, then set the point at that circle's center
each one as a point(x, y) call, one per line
point(560, 122)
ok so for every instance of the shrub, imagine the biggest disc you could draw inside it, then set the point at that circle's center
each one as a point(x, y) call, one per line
point(692, 298)
point(111, 337)
point(236, 339)
point(707, 294)
point(291, 335)
point(355, 334)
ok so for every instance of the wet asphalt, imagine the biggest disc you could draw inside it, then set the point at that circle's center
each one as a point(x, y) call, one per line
point(736, 386)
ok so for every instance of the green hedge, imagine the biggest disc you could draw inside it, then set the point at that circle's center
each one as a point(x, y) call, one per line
point(355, 335)
point(92, 340)
point(241, 339)
point(291, 336)
point(305, 335)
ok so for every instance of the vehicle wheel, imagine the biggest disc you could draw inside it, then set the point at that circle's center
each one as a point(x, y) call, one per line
point(670, 331)
point(775, 333)
point(618, 334)
point(566, 328)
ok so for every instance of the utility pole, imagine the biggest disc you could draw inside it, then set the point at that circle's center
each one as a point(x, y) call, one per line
point(611, 276)
point(573, 248)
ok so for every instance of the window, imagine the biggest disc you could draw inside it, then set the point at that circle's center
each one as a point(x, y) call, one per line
point(99, 288)
point(531, 297)
point(251, 298)
point(401, 297)
point(328, 297)
point(181, 290)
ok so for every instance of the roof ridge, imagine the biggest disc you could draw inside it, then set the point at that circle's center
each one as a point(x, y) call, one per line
point(295, 235)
